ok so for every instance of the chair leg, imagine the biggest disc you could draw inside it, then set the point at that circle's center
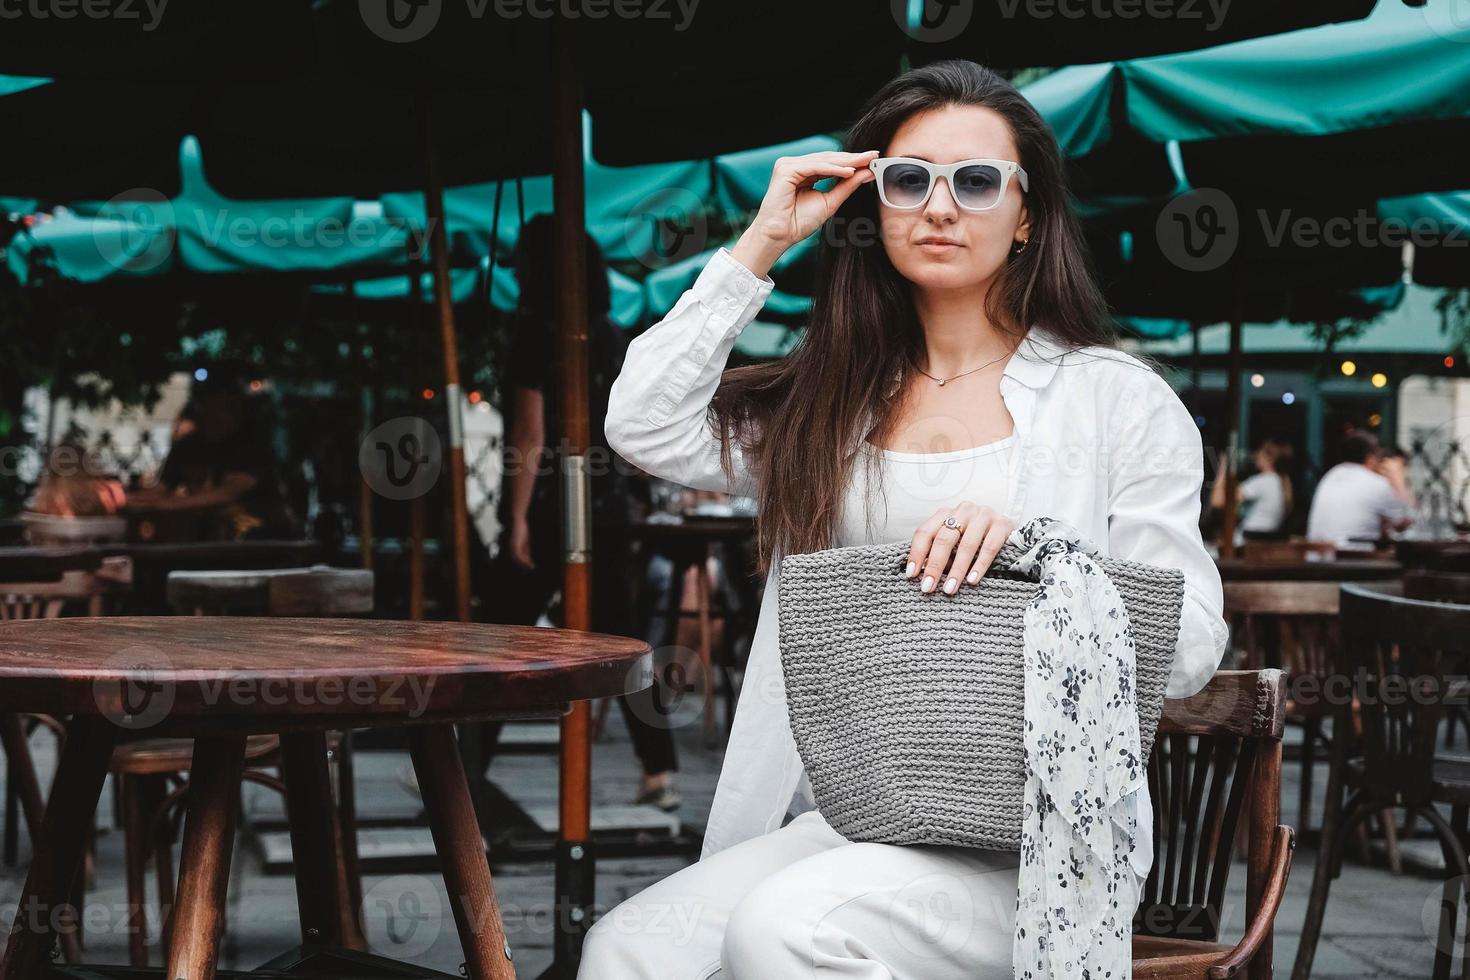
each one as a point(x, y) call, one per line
point(1310, 729)
point(204, 864)
point(461, 852)
point(163, 856)
point(135, 844)
point(1389, 821)
point(1456, 872)
point(59, 847)
point(1334, 835)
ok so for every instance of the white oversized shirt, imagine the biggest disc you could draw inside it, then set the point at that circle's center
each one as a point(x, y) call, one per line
point(1102, 443)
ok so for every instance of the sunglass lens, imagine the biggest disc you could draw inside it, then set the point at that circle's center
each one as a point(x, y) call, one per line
point(904, 184)
point(977, 186)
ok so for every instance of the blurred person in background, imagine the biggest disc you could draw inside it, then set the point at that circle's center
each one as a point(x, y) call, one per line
point(1264, 499)
point(1362, 499)
point(526, 571)
point(69, 486)
point(221, 479)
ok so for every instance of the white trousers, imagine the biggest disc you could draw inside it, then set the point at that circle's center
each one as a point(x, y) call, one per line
point(803, 901)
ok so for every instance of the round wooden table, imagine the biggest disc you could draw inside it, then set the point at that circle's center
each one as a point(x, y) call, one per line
point(219, 680)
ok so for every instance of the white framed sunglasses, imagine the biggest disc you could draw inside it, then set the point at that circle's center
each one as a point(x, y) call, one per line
point(976, 185)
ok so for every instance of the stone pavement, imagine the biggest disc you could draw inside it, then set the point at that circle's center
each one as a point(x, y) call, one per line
point(1376, 923)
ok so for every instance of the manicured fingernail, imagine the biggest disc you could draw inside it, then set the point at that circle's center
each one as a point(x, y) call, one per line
point(951, 585)
point(909, 571)
point(928, 585)
point(973, 577)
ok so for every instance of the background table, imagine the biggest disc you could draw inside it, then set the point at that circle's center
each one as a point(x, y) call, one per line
point(219, 680)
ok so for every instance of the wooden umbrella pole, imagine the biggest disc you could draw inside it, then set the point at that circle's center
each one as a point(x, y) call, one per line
point(444, 304)
point(574, 862)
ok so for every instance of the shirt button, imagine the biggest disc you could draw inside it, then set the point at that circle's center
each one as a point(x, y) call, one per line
point(698, 352)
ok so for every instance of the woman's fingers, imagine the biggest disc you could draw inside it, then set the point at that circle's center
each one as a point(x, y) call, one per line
point(943, 543)
point(943, 555)
point(969, 544)
point(995, 538)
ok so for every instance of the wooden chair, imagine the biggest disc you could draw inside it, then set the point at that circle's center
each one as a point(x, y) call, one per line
point(1292, 625)
point(1402, 656)
point(87, 588)
point(150, 772)
point(1216, 760)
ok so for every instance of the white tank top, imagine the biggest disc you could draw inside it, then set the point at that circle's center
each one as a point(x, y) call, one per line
point(911, 486)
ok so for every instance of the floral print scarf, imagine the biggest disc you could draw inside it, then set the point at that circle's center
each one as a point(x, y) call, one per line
point(1083, 858)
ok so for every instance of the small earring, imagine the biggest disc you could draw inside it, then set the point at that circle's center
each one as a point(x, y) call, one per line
point(1018, 251)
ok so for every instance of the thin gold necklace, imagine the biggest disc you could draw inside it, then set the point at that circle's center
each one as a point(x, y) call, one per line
point(944, 381)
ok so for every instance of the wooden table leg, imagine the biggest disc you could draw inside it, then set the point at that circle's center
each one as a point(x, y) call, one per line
point(461, 849)
point(327, 915)
point(204, 860)
point(21, 771)
point(58, 849)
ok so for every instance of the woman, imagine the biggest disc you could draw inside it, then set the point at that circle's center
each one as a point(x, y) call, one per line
point(1264, 497)
point(957, 361)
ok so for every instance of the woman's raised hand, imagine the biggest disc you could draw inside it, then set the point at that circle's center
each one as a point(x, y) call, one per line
point(792, 209)
point(951, 555)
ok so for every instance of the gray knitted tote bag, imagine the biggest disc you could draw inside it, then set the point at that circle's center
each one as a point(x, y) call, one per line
point(907, 708)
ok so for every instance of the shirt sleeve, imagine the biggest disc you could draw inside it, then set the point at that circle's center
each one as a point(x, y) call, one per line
point(1389, 505)
point(1153, 516)
point(656, 417)
point(1252, 488)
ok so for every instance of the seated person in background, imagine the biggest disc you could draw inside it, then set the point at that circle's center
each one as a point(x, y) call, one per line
point(70, 488)
point(220, 476)
point(1264, 498)
point(1363, 498)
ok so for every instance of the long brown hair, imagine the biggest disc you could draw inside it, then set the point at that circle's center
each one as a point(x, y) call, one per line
point(797, 418)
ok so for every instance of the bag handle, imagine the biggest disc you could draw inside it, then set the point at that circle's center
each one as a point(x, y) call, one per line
point(1002, 561)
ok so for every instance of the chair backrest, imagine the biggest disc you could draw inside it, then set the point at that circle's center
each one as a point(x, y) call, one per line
point(314, 591)
point(1403, 657)
point(1438, 586)
point(49, 529)
point(1216, 753)
point(85, 589)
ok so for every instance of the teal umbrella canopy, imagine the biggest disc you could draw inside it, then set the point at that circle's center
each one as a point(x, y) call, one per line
point(199, 230)
point(1377, 105)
